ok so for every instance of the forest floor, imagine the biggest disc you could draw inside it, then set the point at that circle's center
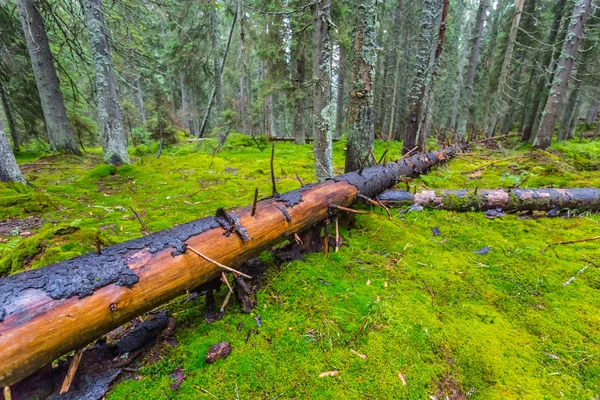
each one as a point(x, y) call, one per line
point(397, 312)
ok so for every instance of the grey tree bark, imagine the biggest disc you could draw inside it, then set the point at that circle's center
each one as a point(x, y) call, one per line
point(60, 133)
point(593, 112)
point(504, 91)
point(548, 60)
point(9, 169)
point(341, 74)
point(14, 133)
point(139, 99)
point(184, 102)
point(361, 129)
point(299, 122)
point(417, 92)
point(564, 67)
point(110, 118)
point(464, 53)
point(272, 129)
point(244, 126)
point(322, 109)
point(466, 111)
point(216, 41)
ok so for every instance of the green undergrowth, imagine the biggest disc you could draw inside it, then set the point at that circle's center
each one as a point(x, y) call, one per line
point(420, 308)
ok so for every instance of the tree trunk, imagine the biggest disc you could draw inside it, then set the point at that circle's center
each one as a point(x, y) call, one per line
point(272, 130)
point(80, 299)
point(322, 110)
point(244, 126)
point(361, 129)
point(184, 102)
point(509, 200)
point(139, 96)
point(501, 98)
point(464, 53)
point(9, 169)
point(563, 72)
point(217, 63)
point(299, 121)
point(548, 60)
point(593, 112)
point(417, 92)
point(341, 74)
point(438, 45)
point(110, 118)
point(466, 112)
point(60, 133)
point(14, 133)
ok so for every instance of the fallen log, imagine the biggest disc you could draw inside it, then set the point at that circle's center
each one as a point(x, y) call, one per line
point(50, 311)
point(509, 200)
point(291, 139)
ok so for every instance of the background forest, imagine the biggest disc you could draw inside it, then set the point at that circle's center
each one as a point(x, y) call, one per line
point(150, 73)
point(124, 118)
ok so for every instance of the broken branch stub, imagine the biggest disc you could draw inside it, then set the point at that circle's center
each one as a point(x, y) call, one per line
point(80, 299)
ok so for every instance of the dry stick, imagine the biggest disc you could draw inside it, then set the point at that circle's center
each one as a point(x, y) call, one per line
point(408, 153)
point(429, 289)
point(383, 156)
point(496, 162)
point(569, 242)
point(218, 264)
point(205, 391)
point(348, 209)
point(254, 203)
point(326, 238)
point(224, 279)
point(146, 231)
point(322, 167)
point(298, 240)
point(495, 138)
point(72, 370)
point(376, 204)
point(225, 302)
point(272, 170)
point(337, 235)
point(300, 180)
point(7, 394)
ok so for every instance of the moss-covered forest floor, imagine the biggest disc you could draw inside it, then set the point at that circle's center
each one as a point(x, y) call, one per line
point(398, 312)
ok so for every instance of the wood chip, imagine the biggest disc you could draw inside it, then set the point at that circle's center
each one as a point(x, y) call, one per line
point(364, 357)
point(369, 282)
point(328, 373)
point(402, 377)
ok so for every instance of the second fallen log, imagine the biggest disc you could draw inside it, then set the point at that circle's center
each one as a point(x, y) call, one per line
point(510, 200)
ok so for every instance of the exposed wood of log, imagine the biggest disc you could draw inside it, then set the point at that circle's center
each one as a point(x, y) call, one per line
point(47, 312)
point(582, 199)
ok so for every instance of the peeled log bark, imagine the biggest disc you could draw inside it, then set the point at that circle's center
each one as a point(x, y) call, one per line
point(510, 200)
point(47, 312)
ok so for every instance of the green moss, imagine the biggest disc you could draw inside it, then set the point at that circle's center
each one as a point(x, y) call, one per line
point(102, 171)
point(499, 326)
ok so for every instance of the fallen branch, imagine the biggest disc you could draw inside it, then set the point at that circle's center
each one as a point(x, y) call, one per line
point(569, 242)
point(509, 200)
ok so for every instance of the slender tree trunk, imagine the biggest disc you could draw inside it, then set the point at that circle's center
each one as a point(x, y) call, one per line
point(139, 95)
point(184, 102)
point(427, 117)
point(466, 112)
point(392, 117)
point(272, 130)
point(417, 92)
point(339, 119)
point(322, 110)
point(361, 130)
point(9, 169)
point(299, 122)
point(14, 133)
point(593, 112)
point(501, 98)
point(538, 96)
point(563, 72)
point(244, 126)
point(110, 118)
point(216, 42)
point(60, 133)
point(460, 79)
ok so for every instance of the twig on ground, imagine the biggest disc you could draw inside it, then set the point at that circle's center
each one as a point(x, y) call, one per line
point(145, 229)
point(409, 153)
point(254, 203)
point(300, 180)
point(71, 372)
point(570, 242)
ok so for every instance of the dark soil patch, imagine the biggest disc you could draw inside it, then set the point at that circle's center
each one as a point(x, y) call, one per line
point(8, 227)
